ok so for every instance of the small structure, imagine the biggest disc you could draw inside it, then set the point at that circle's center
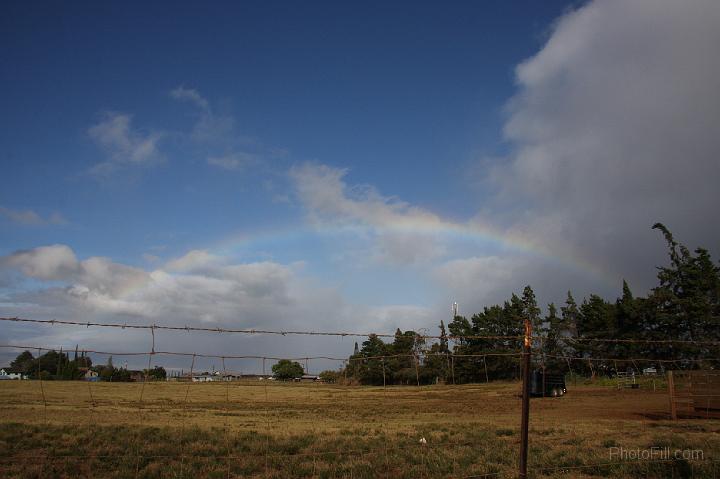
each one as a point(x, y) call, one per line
point(229, 375)
point(626, 380)
point(546, 384)
point(694, 393)
point(88, 374)
point(308, 378)
point(203, 377)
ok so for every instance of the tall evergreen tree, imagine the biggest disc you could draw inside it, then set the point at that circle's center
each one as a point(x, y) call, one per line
point(552, 345)
point(370, 368)
point(531, 312)
point(687, 300)
point(443, 337)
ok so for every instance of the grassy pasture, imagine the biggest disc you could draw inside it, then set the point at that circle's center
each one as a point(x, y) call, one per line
point(262, 430)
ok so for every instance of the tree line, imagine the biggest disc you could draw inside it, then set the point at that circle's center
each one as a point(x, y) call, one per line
point(683, 307)
point(57, 365)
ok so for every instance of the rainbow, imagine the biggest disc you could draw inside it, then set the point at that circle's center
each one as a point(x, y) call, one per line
point(429, 226)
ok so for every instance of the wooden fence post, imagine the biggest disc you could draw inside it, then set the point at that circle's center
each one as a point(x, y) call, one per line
point(671, 394)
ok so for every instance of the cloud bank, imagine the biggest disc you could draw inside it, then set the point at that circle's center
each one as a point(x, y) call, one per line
point(196, 288)
point(613, 128)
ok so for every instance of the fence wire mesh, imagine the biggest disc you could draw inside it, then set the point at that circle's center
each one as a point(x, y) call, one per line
point(236, 425)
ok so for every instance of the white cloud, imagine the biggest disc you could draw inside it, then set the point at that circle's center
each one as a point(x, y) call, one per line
point(44, 263)
point(481, 281)
point(122, 144)
point(193, 260)
point(218, 294)
point(328, 199)
point(404, 316)
point(210, 128)
point(614, 127)
point(216, 136)
point(197, 285)
point(191, 95)
point(210, 289)
point(323, 191)
point(30, 217)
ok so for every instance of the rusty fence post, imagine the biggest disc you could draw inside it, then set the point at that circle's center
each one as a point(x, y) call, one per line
point(525, 418)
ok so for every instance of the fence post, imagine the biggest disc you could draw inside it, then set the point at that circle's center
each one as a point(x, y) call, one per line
point(487, 378)
point(383, 368)
point(671, 395)
point(417, 373)
point(452, 366)
point(525, 400)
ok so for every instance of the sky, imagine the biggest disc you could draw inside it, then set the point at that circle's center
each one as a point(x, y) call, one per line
point(343, 166)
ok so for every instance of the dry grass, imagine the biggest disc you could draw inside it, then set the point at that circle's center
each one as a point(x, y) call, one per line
point(309, 430)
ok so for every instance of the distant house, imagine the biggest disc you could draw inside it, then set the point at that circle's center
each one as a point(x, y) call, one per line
point(230, 375)
point(204, 378)
point(7, 373)
point(239, 376)
point(88, 374)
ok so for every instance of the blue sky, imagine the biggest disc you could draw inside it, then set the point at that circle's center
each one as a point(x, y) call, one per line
point(384, 158)
point(404, 96)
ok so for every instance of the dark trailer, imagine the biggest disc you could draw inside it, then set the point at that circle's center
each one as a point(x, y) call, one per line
point(547, 384)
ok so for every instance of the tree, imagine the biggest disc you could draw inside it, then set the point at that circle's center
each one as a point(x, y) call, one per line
point(568, 328)
point(482, 336)
point(530, 309)
point(23, 363)
point(406, 348)
point(570, 315)
point(157, 373)
point(286, 369)
point(688, 297)
point(52, 363)
point(330, 377)
point(443, 338)
point(531, 312)
point(552, 348)
point(436, 361)
point(369, 365)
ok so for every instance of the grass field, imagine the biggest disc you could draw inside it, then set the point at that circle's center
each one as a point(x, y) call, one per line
point(311, 430)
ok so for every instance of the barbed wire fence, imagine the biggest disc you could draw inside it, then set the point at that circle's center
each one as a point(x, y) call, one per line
point(541, 419)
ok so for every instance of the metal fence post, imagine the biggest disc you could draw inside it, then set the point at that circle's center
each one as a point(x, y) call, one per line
point(525, 400)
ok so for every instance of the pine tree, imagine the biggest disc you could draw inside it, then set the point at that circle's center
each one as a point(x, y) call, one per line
point(531, 312)
point(443, 338)
point(687, 301)
point(552, 346)
point(371, 367)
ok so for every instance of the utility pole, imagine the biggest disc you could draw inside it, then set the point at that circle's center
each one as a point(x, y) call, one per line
point(525, 400)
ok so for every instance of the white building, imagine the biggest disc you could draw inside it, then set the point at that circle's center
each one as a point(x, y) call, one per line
point(8, 373)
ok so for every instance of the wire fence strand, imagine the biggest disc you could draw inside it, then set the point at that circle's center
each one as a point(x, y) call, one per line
point(428, 454)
